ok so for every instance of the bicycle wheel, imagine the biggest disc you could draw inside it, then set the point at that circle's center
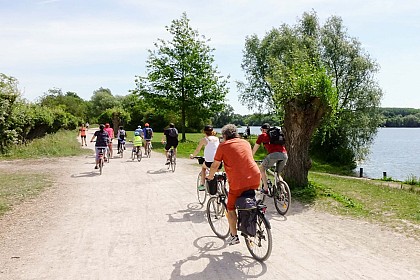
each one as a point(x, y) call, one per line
point(139, 155)
point(261, 244)
point(149, 150)
point(216, 216)
point(201, 195)
point(173, 164)
point(282, 197)
point(133, 154)
point(260, 196)
point(101, 165)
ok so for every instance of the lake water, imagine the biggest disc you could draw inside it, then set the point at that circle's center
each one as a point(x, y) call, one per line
point(395, 151)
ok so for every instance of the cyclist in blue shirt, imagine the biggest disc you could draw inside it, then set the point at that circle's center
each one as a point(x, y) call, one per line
point(147, 135)
point(102, 142)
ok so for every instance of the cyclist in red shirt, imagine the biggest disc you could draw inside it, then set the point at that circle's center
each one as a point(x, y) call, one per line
point(275, 152)
point(242, 172)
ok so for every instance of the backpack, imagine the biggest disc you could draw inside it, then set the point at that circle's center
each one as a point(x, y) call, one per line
point(173, 132)
point(122, 134)
point(247, 215)
point(276, 136)
point(148, 133)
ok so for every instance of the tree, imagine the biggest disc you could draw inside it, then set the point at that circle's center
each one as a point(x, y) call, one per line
point(294, 81)
point(180, 77)
point(9, 95)
point(101, 100)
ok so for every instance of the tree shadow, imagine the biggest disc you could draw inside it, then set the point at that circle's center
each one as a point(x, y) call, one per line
point(194, 213)
point(224, 265)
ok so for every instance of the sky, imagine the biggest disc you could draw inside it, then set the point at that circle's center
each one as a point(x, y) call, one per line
point(82, 45)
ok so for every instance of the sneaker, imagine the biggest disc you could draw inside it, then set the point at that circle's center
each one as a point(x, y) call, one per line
point(233, 240)
point(85, 144)
point(96, 167)
point(201, 188)
point(167, 162)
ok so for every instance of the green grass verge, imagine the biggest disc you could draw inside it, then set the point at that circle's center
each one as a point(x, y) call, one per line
point(61, 144)
point(16, 187)
point(395, 207)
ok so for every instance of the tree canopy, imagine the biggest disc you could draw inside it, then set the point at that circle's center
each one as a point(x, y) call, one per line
point(181, 79)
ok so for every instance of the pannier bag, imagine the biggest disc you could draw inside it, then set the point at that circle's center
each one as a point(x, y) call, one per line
point(212, 186)
point(247, 215)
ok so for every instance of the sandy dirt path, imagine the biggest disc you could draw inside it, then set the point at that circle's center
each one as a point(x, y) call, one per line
point(139, 221)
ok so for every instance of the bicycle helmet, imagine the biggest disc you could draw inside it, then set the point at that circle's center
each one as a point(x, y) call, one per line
point(136, 133)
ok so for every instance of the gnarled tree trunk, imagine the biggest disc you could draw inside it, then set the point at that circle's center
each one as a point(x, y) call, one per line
point(301, 120)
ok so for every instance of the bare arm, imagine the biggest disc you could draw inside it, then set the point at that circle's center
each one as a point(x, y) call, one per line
point(213, 169)
point(199, 146)
point(255, 149)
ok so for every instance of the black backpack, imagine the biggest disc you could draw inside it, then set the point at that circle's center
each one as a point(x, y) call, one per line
point(276, 136)
point(173, 132)
point(247, 214)
point(148, 133)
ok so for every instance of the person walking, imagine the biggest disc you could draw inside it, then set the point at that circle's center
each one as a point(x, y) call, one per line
point(82, 134)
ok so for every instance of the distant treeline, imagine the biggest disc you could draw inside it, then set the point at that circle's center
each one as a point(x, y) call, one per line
point(400, 117)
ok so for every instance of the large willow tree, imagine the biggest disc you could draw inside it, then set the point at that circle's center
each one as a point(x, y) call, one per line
point(181, 78)
point(291, 72)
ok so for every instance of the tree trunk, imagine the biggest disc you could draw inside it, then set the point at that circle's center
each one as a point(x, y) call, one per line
point(301, 120)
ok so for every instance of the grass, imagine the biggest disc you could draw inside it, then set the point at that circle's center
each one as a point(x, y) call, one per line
point(17, 186)
point(395, 207)
point(60, 144)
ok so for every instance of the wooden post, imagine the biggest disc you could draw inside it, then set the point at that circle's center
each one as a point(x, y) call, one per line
point(361, 172)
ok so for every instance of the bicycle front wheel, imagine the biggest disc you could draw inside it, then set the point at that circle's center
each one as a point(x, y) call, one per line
point(201, 195)
point(216, 216)
point(282, 197)
point(260, 245)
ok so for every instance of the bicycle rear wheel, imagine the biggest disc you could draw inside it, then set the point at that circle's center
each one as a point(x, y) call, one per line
point(139, 155)
point(282, 197)
point(101, 165)
point(216, 216)
point(133, 154)
point(261, 244)
point(173, 164)
point(201, 195)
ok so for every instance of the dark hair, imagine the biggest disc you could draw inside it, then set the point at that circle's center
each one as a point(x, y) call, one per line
point(208, 128)
point(171, 125)
point(121, 127)
point(265, 126)
point(230, 131)
point(101, 127)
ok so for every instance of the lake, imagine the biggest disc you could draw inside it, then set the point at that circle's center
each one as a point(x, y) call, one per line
point(395, 151)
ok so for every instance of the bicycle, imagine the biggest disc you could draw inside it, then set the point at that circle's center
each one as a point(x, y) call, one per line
point(136, 153)
point(172, 159)
point(148, 148)
point(259, 245)
point(280, 191)
point(202, 194)
point(121, 148)
point(101, 159)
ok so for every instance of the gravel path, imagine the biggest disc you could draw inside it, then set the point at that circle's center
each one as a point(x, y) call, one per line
point(139, 221)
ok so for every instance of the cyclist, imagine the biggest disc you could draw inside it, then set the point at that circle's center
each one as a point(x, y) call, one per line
point(210, 143)
point(242, 172)
point(275, 152)
point(110, 132)
point(147, 136)
point(82, 133)
point(137, 141)
point(102, 142)
point(121, 135)
point(171, 135)
point(139, 130)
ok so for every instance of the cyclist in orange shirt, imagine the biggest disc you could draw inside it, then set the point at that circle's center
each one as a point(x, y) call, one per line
point(110, 132)
point(242, 172)
point(82, 133)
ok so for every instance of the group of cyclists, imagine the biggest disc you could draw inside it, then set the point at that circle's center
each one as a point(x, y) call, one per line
point(105, 135)
point(242, 171)
point(234, 152)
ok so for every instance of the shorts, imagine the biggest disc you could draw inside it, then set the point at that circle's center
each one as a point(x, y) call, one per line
point(98, 149)
point(208, 164)
point(273, 158)
point(83, 136)
point(171, 144)
point(233, 196)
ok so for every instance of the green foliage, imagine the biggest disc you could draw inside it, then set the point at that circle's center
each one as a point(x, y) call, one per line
point(400, 117)
point(181, 79)
point(101, 100)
